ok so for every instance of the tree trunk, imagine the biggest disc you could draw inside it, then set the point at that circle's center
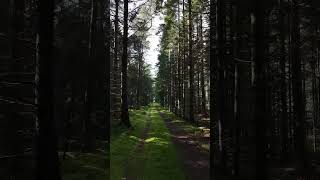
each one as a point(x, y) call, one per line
point(236, 128)
point(203, 93)
point(47, 160)
point(284, 118)
point(184, 65)
point(139, 74)
point(221, 84)
point(260, 91)
point(107, 40)
point(212, 106)
point(124, 96)
point(191, 75)
point(297, 92)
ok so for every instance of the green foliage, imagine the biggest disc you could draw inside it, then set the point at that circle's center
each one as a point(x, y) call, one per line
point(140, 82)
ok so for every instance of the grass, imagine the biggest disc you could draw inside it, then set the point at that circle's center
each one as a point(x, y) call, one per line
point(124, 141)
point(157, 161)
point(85, 166)
point(161, 158)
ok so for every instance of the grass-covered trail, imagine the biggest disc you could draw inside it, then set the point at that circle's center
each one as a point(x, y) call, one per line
point(148, 151)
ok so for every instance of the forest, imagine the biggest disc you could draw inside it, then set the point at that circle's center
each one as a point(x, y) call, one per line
point(160, 89)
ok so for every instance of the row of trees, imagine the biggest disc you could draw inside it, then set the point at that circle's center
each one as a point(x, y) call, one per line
point(182, 82)
point(138, 83)
point(264, 88)
point(264, 80)
point(60, 69)
point(54, 83)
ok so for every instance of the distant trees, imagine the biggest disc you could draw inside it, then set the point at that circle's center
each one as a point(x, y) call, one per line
point(262, 79)
point(135, 87)
point(183, 74)
point(140, 82)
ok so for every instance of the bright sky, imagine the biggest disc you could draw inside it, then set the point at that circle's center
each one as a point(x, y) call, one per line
point(151, 56)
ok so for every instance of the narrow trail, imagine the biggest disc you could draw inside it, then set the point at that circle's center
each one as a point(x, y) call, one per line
point(133, 161)
point(195, 163)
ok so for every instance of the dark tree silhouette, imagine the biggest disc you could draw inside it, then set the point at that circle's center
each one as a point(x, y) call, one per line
point(284, 117)
point(124, 96)
point(191, 73)
point(260, 90)
point(212, 84)
point(297, 91)
point(47, 161)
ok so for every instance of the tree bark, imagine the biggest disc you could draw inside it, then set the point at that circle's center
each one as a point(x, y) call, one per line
point(47, 160)
point(221, 83)
point(297, 92)
point(191, 75)
point(284, 118)
point(124, 96)
point(203, 93)
point(212, 106)
point(260, 91)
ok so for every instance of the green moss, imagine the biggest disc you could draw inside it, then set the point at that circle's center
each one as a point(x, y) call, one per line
point(161, 158)
point(158, 159)
point(124, 141)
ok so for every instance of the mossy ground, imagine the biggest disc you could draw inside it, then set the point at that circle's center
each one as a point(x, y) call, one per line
point(158, 161)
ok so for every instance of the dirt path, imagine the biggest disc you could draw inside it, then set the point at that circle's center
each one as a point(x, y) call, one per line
point(196, 163)
point(133, 163)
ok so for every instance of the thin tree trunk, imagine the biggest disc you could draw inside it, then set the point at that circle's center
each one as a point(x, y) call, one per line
point(236, 130)
point(184, 67)
point(107, 41)
point(314, 104)
point(291, 120)
point(139, 74)
point(203, 93)
point(284, 118)
point(191, 98)
point(179, 64)
point(213, 114)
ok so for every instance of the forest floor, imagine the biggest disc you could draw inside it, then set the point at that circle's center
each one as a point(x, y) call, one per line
point(192, 147)
point(152, 149)
point(86, 166)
